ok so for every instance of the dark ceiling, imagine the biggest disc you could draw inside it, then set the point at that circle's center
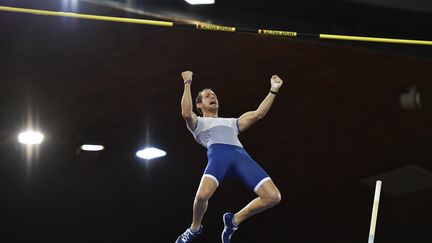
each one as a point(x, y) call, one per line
point(336, 121)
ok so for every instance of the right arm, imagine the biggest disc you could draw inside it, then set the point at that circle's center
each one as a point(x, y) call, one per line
point(186, 102)
point(249, 118)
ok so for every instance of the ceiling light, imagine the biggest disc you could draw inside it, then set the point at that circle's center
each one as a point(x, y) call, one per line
point(30, 137)
point(92, 147)
point(195, 2)
point(150, 153)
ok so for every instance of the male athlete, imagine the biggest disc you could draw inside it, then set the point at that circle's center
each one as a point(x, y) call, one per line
point(226, 156)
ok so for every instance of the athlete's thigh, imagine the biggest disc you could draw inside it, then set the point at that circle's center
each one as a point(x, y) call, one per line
point(220, 159)
point(206, 187)
point(250, 172)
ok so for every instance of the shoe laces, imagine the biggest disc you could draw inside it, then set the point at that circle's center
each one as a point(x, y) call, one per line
point(186, 235)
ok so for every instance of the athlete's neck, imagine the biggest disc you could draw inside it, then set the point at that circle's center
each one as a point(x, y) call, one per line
point(210, 114)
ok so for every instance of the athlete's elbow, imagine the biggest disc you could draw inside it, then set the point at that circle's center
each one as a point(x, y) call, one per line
point(259, 115)
point(186, 114)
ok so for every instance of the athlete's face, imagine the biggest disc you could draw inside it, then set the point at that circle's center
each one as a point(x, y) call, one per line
point(209, 100)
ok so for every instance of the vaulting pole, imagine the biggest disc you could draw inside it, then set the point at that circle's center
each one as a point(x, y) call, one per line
point(217, 27)
point(374, 211)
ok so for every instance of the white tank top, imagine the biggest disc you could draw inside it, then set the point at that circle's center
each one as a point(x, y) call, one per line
point(211, 130)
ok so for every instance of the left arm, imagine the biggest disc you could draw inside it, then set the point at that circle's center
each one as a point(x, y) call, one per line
point(249, 118)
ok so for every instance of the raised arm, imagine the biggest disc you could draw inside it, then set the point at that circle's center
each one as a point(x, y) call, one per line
point(186, 102)
point(249, 118)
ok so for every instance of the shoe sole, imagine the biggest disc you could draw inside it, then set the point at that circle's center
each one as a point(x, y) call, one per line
point(223, 218)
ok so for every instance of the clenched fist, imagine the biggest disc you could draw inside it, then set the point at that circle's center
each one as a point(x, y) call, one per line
point(187, 76)
point(276, 83)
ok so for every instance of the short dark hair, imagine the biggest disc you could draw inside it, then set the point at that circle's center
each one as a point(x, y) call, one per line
point(198, 99)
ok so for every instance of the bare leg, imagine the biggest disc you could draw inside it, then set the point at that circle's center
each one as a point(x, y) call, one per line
point(268, 196)
point(205, 190)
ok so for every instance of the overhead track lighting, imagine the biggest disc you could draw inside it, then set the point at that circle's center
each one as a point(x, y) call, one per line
point(92, 147)
point(30, 137)
point(196, 2)
point(150, 153)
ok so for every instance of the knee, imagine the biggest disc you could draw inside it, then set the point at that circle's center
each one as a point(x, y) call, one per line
point(203, 195)
point(205, 190)
point(273, 198)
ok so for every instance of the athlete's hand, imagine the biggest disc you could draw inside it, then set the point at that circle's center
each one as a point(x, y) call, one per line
point(276, 83)
point(187, 76)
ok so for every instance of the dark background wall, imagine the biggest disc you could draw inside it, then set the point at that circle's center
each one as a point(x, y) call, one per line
point(336, 126)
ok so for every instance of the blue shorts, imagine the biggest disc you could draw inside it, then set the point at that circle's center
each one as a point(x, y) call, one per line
point(234, 161)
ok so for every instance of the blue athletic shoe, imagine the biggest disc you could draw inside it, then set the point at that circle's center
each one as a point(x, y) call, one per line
point(229, 227)
point(188, 235)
